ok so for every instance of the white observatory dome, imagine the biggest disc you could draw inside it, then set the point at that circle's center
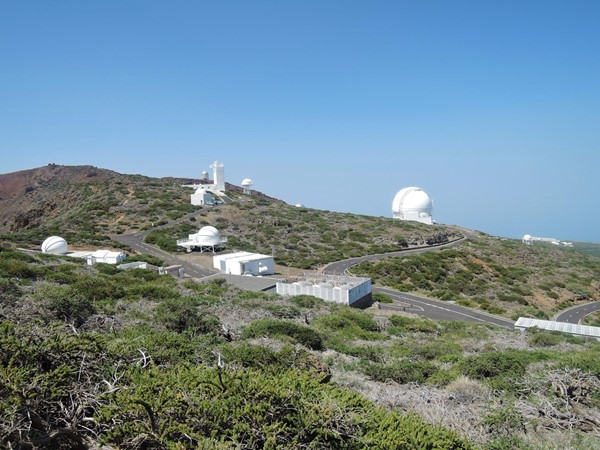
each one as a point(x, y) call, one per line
point(208, 236)
point(247, 182)
point(413, 203)
point(55, 245)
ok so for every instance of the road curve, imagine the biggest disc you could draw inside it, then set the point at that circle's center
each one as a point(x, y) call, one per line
point(137, 244)
point(438, 310)
point(577, 313)
point(341, 267)
point(416, 304)
point(423, 306)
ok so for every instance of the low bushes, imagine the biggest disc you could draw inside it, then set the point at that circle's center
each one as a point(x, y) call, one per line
point(287, 329)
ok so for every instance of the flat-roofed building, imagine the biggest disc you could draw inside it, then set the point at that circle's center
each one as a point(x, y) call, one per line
point(244, 263)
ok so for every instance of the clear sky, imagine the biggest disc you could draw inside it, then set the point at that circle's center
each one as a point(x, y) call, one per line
point(493, 107)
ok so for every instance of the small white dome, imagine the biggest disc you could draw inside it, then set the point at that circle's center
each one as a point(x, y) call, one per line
point(208, 235)
point(299, 205)
point(55, 245)
point(527, 237)
point(247, 182)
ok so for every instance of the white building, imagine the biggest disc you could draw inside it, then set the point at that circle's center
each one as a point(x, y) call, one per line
point(529, 240)
point(55, 245)
point(207, 239)
point(351, 291)
point(244, 263)
point(202, 196)
point(523, 323)
point(247, 185)
point(413, 203)
point(106, 257)
point(133, 265)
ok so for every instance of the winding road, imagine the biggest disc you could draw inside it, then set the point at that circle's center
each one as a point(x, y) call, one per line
point(577, 313)
point(417, 304)
point(402, 301)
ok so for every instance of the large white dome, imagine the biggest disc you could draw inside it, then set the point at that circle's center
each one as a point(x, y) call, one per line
point(413, 203)
point(55, 245)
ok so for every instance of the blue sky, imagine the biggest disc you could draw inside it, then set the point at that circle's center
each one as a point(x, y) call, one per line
point(492, 107)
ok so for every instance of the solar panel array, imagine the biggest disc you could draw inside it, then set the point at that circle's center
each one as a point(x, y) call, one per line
point(581, 330)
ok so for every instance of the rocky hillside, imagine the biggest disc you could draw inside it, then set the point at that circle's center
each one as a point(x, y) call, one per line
point(84, 204)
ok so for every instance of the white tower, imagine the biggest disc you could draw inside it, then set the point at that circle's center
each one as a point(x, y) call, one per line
point(246, 185)
point(218, 176)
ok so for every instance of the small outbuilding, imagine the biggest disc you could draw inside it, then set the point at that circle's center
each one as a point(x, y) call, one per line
point(106, 257)
point(351, 291)
point(244, 263)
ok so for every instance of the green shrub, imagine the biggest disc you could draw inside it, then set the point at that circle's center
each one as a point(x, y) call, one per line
point(305, 301)
point(493, 364)
point(178, 314)
point(402, 371)
point(545, 339)
point(402, 324)
point(382, 298)
point(285, 328)
point(347, 318)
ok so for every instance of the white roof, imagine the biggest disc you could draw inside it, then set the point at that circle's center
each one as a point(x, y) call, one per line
point(242, 256)
point(55, 244)
point(413, 199)
point(106, 254)
point(582, 330)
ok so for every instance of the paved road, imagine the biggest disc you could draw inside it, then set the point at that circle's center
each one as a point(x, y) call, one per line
point(577, 313)
point(136, 243)
point(416, 304)
point(438, 310)
point(341, 267)
point(430, 308)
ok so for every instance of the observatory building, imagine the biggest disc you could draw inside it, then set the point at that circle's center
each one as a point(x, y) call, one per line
point(55, 245)
point(413, 203)
point(247, 185)
point(207, 239)
point(245, 263)
point(202, 195)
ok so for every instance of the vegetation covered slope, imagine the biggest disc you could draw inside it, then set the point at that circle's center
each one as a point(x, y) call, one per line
point(96, 356)
point(84, 204)
point(303, 237)
point(497, 275)
point(134, 360)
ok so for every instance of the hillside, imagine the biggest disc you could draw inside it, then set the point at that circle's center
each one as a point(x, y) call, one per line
point(502, 276)
point(303, 237)
point(93, 357)
point(84, 204)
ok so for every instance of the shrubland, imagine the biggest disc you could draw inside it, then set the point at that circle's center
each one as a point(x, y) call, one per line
point(92, 356)
point(500, 276)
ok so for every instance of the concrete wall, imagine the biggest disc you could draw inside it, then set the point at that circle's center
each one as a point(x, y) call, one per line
point(346, 295)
